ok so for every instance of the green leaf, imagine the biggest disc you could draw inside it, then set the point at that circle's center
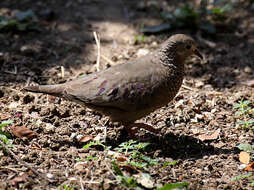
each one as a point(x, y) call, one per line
point(246, 147)
point(174, 185)
point(4, 139)
point(94, 144)
point(25, 16)
point(117, 169)
point(170, 163)
point(138, 164)
point(128, 181)
point(243, 176)
point(5, 123)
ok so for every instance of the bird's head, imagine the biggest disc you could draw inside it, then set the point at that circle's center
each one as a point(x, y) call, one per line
point(180, 47)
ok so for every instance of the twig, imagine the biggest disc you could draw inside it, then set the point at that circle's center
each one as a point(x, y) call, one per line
point(24, 163)
point(110, 170)
point(81, 183)
point(186, 87)
point(97, 40)
point(62, 72)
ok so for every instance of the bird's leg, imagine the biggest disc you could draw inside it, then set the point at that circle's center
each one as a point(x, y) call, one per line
point(132, 129)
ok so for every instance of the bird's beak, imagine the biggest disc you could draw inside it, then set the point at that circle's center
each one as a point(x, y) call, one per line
point(197, 53)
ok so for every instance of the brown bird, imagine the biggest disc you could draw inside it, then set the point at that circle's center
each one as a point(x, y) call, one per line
point(130, 91)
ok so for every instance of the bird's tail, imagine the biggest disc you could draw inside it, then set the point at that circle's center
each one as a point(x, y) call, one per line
point(55, 90)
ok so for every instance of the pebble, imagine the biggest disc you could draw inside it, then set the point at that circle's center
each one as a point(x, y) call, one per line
point(198, 171)
point(142, 52)
point(50, 176)
point(242, 166)
point(49, 127)
point(199, 84)
point(247, 69)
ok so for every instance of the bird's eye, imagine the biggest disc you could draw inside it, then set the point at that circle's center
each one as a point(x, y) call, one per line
point(188, 46)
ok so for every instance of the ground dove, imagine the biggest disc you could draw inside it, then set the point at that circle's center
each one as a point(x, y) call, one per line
point(130, 91)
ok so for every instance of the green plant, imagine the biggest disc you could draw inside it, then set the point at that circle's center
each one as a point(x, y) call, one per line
point(249, 176)
point(20, 21)
point(123, 179)
point(66, 187)
point(78, 159)
point(5, 135)
point(244, 110)
point(132, 149)
point(170, 163)
point(96, 143)
point(172, 186)
point(204, 17)
point(139, 39)
point(242, 176)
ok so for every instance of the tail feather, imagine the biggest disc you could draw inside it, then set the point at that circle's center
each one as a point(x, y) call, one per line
point(55, 90)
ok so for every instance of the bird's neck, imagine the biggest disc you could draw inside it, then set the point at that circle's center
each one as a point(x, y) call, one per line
point(171, 59)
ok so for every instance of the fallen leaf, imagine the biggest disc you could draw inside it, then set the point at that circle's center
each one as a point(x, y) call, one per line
point(129, 168)
point(121, 159)
point(250, 167)
point(18, 179)
point(249, 83)
point(86, 138)
point(23, 132)
point(214, 136)
point(244, 157)
point(51, 99)
point(145, 180)
point(5, 116)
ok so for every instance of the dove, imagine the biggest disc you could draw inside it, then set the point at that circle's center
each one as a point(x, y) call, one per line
point(132, 90)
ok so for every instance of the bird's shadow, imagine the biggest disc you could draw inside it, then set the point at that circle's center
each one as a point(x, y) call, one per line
point(177, 146)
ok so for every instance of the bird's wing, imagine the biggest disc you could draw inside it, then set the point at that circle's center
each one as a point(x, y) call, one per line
point(123, 86)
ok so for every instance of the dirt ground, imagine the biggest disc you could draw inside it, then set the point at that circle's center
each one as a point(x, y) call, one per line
point(65, 40)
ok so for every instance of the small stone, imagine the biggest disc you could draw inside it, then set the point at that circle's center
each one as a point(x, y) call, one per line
point(199, 84)
point(198, 171)
point(26, 50)
point(50, 176)
point(242, 166)
point(13, 105)
point(247, 69)
point(142, 52)
point(49, 127)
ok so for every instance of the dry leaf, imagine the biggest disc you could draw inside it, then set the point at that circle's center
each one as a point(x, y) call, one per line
point(122, 159)
point(249, 83)
point(250, 167)
point(5, 116)
point(129, 168)
point(214, 136)
point(145, 180)
point(18, 179)
point(23, 132)
point(86, 138)
point(244, 157)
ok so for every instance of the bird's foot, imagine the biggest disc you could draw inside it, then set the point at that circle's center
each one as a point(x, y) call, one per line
point(133, 129)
